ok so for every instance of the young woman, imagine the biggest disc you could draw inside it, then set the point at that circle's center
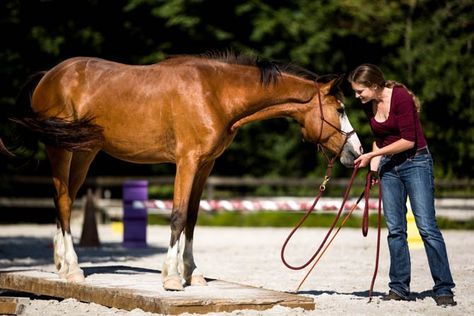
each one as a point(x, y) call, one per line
point(401, 157)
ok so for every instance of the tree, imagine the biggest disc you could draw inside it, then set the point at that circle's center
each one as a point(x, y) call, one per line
point(426, 44)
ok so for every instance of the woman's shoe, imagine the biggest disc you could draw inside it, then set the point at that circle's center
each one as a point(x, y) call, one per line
point(445, 300)
point(394, 296)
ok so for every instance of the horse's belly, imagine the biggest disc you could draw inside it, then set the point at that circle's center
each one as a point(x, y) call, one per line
point(135, 152)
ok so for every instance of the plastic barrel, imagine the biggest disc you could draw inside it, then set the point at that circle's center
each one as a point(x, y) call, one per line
point(135, 218)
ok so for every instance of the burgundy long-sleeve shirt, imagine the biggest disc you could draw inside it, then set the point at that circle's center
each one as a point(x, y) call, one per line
point(402, 122)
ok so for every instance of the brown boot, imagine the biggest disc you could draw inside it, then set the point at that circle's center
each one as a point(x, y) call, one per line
point(394, 296)
point(445, 300)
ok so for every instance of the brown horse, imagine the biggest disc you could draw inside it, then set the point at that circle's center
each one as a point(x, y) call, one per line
point(184, 110)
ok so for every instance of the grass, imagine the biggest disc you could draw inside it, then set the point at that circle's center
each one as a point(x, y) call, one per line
point(290, 219)
point(273, 219)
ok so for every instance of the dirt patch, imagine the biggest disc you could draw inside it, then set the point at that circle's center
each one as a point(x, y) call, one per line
point(339, 284)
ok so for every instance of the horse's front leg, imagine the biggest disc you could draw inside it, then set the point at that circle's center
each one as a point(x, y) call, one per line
point(185, 175)
point(191, 274)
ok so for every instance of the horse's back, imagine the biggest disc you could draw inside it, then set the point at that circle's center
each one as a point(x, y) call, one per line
point(59, 90)
point(147, 106)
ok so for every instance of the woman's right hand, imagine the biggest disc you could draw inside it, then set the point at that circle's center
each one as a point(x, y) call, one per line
point(363, 160)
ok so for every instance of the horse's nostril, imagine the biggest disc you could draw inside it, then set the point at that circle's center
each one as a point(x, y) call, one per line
point(361, 149)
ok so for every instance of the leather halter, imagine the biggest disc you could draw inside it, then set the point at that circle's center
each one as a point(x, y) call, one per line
point(322, 187)
point(346, 135)
point(323, 119)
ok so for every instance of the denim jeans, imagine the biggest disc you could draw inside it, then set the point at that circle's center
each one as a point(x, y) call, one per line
point(412, 177)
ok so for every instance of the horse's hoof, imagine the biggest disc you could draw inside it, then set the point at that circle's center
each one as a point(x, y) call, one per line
point(173, 283)
point(76, 276)
point(62, 275)
point(196, 280)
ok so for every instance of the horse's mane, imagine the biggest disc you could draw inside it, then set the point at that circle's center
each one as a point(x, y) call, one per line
point(270, 70)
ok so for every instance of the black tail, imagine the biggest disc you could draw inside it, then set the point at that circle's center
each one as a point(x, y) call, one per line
point(70, 134)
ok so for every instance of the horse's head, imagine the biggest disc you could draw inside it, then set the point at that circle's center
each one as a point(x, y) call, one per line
point(326, 122)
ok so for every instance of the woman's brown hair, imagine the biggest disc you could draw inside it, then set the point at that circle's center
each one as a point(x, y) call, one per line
point(370, 75)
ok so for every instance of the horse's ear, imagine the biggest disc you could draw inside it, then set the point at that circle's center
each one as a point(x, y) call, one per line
point(335, 88)
point(330, 84)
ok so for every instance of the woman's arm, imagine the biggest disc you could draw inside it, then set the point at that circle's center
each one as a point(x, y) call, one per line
point(375, 161)
point(394, 148)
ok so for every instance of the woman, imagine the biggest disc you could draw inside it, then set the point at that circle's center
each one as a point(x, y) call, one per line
point(400, 155)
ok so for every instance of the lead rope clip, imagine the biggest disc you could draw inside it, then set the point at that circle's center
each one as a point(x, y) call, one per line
point(322, 187)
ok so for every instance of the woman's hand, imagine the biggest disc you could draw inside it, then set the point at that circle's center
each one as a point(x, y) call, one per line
point(374, 178)
point(363, 160)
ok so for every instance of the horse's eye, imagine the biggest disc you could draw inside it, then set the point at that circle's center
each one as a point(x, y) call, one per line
point(340, 110)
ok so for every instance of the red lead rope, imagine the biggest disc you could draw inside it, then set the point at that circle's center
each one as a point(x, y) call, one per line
point(365, 224)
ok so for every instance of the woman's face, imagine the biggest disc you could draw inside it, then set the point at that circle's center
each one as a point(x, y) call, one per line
point(363, 93)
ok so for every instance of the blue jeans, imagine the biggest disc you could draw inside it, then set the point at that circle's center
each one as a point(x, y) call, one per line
point(412, 177)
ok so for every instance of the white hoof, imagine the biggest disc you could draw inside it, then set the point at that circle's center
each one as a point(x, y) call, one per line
point(172, 283)
point(196, 280)
point(76, 276)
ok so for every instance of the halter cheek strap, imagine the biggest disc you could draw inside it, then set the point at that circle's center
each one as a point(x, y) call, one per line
point(347, 135)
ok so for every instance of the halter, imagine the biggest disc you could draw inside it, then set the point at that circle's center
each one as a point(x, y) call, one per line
point(346, 135)
point(320, 251)
point(322, 188)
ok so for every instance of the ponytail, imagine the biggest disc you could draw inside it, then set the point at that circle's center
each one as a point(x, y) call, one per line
point(392, 83)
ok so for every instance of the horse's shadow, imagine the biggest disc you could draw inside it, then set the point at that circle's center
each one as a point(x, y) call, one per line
point(30, 251)
point(118, 269)
point(365, 294)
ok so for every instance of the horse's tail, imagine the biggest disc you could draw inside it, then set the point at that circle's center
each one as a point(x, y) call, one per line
point(70, 134)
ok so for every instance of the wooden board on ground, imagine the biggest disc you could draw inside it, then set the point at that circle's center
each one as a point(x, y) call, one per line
point(132, 287)
point(12, 305)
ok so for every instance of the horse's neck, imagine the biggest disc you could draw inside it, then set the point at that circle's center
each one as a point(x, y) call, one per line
point(282, 99)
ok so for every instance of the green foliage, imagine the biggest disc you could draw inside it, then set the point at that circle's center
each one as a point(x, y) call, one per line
point(277, 219)
point(446, 223)
point(425, 44)
point(290, 219)
point(162, 191)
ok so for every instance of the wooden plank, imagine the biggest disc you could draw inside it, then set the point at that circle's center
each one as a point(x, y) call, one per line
point(12, 305)
point(131, 287)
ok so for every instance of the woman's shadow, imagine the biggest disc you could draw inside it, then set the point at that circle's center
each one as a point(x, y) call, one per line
point(365, 294)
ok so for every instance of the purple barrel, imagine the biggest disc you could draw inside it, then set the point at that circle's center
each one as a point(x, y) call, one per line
point(135, 215)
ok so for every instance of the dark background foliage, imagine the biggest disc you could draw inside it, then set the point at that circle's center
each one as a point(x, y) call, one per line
point(425, 44)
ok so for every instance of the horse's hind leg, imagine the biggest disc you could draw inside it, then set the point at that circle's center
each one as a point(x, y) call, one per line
point(80, 164)
point(65, 257)
point(68, 172)
point(191, 274)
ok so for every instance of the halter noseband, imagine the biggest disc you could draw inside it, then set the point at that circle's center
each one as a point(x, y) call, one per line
point(347, 135)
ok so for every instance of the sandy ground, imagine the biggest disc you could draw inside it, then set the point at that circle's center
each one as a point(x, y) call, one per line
point(339, 284)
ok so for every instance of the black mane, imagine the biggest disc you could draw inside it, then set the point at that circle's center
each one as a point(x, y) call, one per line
point(270, 70)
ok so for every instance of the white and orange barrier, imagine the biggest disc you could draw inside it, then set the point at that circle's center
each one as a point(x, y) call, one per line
point(260, 204)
